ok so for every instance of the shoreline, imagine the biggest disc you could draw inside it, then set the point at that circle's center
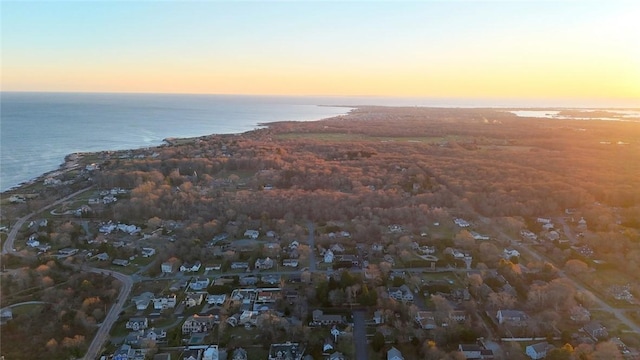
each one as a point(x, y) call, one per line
point(71, 160)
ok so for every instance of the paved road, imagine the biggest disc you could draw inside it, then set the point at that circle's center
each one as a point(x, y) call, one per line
point(618, 313)
point(104, 329)
point(127, 281)
point(311, 240)
point(360, 335)
point(11, 237)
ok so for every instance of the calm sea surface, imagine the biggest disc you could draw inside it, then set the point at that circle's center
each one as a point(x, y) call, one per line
point(37, 130)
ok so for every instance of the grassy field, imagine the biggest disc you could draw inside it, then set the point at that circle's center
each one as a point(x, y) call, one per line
point(341, 137)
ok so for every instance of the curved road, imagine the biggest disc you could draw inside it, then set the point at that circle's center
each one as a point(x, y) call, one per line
point(104, 329)
point(127, 281)
point(11, 237)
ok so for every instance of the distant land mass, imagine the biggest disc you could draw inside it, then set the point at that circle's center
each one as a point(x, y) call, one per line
point(437, 231)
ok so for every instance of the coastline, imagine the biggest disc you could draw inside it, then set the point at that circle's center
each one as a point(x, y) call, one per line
point(72, 161)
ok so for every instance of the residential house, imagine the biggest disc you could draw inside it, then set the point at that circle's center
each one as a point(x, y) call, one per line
point(142, 301)
point(294, 244)
point(543, 220)
point(148, 252)
point(198, 324)
point(169, 266)
point(220, 237)
point(270, 279)
point(248, 280)
point(6, 315)
point(478, 236)
point(538, 351)
point(192, 354)
point(267, 296)
point(328, 257)
point(328, 345)
point(67, 252)
point(461, 222)
point(509, 253)
point(125, 352)
point(120, 262)
point(388, 258)
point(402, 293)
point(579, 314)
point(33, 241)
point(212, 267)
point(337, 248)
point(325, 319)
point(264, 264)
point(528, 235)
point(162, 356)
point(394, 354)
point(166, 302)
point(377, 247)
point(239, 265)
point(195, 267)
point(596, 330)
point(199, 284)
point(286, 351)
point(337, 356)
point(427, 250)
point(193, 299)
point(102, 257)
point(239, 354)
point(458, 316)
point(470, 351)
point(378, 317)
point(290, 262)
point(252, 234)
point(216, 299)
point(210, 353)
point(512, 317)
point(137, 323)
point(426, 320)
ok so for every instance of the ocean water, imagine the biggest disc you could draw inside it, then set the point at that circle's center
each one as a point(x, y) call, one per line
point(37, 130)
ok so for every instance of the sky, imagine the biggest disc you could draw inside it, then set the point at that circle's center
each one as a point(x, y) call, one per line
point(463, 49)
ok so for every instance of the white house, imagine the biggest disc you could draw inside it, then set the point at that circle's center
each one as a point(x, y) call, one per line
point(402, 293)
point(290, 262)
point(461, 222)
point(148, 252)
point(33, 242)
point(537, 351)
point(195, 267)
point(264, 264)
point(337, 248)
point(252, 234)
point(199, 284)
point(216, 299)
point(394, 354)
point(166, 302)
point(509, 253)
point(328, 256)
point(139, 323)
